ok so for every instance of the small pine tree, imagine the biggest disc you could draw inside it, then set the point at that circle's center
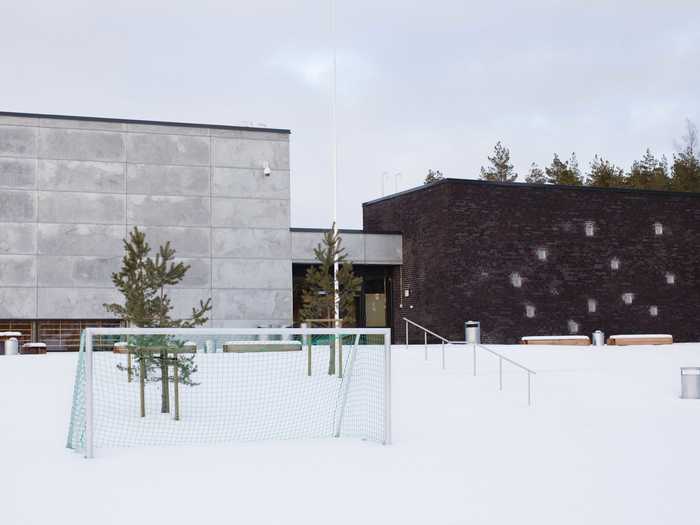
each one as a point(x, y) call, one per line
point(143, 282)
point(501, 170)
point(318, 297)
point(649, 173)
point(433, 176)
point(565, 173)
point(604, 174)
point(686, 164)
point(535, 175)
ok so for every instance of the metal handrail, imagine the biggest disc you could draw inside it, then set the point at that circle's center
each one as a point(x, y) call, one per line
point(426, 330)
point(425, 340)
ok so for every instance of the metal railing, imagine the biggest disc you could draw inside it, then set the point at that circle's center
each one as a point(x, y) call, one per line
point(500, 357)
point(426, 332)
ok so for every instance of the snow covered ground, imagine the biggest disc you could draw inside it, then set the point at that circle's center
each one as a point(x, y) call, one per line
point(608, 441)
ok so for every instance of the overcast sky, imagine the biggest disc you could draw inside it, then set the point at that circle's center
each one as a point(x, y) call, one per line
point(429, 84)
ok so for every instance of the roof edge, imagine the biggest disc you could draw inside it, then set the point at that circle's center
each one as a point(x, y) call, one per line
point(145, 122)
point(524, 185)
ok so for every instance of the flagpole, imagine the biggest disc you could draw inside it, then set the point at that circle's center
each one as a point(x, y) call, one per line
point(334, 169)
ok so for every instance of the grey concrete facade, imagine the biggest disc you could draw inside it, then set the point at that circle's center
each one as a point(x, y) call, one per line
point(71, 189)
point(360, 247)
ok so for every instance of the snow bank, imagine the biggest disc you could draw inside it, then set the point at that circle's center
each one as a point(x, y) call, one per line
point(607, 441)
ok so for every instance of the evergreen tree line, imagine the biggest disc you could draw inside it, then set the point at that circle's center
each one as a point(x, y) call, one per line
point(650, 172)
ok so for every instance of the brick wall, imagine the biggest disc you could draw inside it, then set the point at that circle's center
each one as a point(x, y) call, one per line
point(537, 260)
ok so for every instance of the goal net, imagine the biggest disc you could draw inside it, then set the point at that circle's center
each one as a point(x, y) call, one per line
point(172, 386)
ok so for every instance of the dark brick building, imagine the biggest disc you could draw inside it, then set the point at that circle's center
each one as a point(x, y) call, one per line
point(534, 260)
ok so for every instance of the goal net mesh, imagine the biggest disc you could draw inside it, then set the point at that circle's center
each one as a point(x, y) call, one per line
point(204, 388)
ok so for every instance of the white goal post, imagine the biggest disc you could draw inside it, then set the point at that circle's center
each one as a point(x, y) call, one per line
point(193, 386)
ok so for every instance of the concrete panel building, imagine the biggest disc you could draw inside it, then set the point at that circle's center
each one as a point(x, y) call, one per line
point(71, 188)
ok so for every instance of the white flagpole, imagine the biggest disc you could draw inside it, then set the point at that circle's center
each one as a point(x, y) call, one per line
point(334, 131)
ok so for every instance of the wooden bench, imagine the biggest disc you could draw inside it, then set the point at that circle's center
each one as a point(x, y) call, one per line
point(562, 340)
point(640, 339)
point(262, 346)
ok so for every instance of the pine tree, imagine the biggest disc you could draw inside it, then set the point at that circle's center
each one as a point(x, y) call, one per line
point(604, 174)
point(501, 170)
point(649, 173)
point(318, 297)
point(565, 173)
point(535, 175)
point(433, 176)
point(143, 282)
point(686, 164)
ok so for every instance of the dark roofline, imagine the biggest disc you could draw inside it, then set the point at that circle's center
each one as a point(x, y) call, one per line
point(342, 230)
point(146, 122)
point(526, 185)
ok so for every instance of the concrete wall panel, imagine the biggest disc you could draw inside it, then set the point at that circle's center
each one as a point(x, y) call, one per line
point(17, 141)
point(151, 148)
point(17, 270)
point(153, 179)
point(168, 129)
point(245, 243)
point(17, 173)
point(95, 208)
point(188, 242)
point(385, 249)
point(199, 274)
point(242, 153)
point(76, 303)
point(184, 299)
point(71, 175)
point(304, 243)
point(72, 144)
point(250, 213)
point(18, 121)
point(80, 239)
point(168, 211)
point(250, 183)
point(17, 206)
point(17, 238)
point(77, 271)
point(101, 125)
point(252, 273)
point(17, 303)
point(244, 305)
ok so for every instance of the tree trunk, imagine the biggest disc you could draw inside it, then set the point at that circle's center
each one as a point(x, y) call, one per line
point(165, 388)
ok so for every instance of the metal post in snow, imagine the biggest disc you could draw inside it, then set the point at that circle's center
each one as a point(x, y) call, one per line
point(406, 335)
point(474, 359)
point(443, 354)
point(529, 395)
point(500, 373)
point(426, 345)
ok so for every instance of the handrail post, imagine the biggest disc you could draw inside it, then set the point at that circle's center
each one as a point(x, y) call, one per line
point(425, 343)
point(529, 395)
point(500, 373)
point(406, 335)
point(442, 349)
point(474, 359)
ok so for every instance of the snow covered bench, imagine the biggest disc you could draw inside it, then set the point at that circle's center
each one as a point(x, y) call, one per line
point(262, 346)
point(564, 340)
point(33, 348)
point(640, 339)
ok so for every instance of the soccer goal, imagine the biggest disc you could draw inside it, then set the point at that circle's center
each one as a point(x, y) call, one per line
point(194, 386)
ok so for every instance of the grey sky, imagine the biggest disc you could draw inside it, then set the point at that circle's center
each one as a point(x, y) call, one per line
point(420, 84)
